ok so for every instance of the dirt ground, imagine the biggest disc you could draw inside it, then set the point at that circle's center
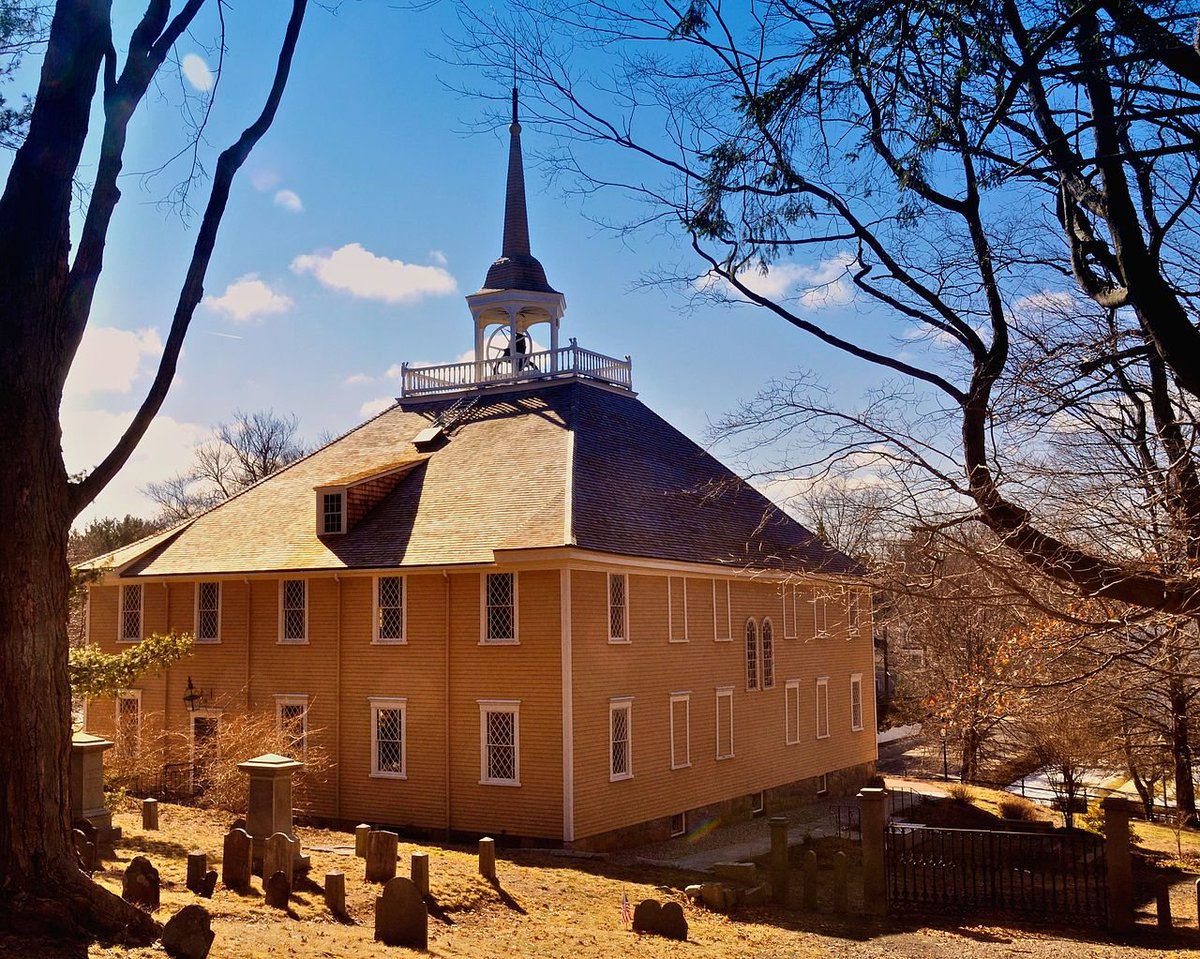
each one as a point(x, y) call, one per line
point(548, 906)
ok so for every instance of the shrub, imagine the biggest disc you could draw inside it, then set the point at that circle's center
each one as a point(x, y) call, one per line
point(961, 792)
point(1017, 807)
point(1093, 819)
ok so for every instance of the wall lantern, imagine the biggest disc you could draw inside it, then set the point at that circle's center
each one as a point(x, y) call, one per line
point(193, 697)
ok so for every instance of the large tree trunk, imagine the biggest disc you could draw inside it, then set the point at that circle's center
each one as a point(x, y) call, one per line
point(1181, 751)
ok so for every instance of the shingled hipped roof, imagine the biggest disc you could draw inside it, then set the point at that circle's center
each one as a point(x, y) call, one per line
point(637, 487)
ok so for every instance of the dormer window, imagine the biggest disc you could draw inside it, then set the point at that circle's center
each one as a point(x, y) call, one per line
point(332, 513)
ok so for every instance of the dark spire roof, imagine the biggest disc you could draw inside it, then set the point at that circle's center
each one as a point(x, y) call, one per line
point(517, 268)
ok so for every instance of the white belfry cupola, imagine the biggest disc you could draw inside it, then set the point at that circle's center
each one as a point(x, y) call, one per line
point(515, 295)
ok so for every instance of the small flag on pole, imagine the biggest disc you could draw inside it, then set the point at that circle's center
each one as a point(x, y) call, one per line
point(626, 911)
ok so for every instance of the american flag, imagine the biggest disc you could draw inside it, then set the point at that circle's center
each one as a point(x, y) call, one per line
point(626, 909)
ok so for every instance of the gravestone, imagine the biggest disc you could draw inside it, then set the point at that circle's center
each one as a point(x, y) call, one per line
point(188, 933)
point(85, 851)
point(335, 892)
point(779, 858)
point(149, 814)
point(840, 883)
point(140, 884)
point(278, 856)
point(278, 889)
point(86, 782)
point(197, 866)
point(401, 918)
point(420, 871)
point(360, 840)
point(270, 804)
point(645, 915)
point(209, 884)
point(672, 923)
point(235, 861)
point(487, 859)
point(381, 856)
point(810, 879)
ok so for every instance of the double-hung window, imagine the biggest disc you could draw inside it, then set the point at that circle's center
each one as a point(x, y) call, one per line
point(500, 742)
point(293, 611)
point(677, 623)
point(130, 621)
point(791, 708)
point(291, 721)
point(823, 707)
point(681, 730)
point(618, 608)
point(853, 614)
point(389, 609)
point(767, 639)
point(856, 703)
point(751, 654)
point(389, 737)
point(208, 612)
point(500, 607)
point(725, 722)
point(820, 613)
point(620, 727)
point(129, 722)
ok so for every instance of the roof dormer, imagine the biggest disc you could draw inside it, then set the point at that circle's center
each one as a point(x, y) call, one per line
point(342, 502)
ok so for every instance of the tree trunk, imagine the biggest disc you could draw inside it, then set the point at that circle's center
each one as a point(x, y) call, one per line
point(1181, 752)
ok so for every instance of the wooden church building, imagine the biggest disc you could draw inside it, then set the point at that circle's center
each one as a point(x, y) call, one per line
point(518, 602)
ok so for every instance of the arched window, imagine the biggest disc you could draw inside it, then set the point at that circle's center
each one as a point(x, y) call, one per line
point(768, 655)
point(751, 654)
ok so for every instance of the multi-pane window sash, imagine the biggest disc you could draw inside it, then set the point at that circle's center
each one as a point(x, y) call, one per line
point(129, 724)
point(820, 613)
point(388, 734)
point(822, 708)
point(725, 722)
point(390, 615)
point(620, 739)
point(500, 616)
point(791, 701)
point(332, 512)
point(131, 611)
point(751, 654)
point(293, 727)
point(853, 613)
point(768, 655)
point(616, 607)
point(681, 730)
point(295, 596)
point(208, 612)
point(856, 706)
point(500, 763)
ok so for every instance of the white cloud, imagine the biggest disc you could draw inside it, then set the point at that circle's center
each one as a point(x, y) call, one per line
point(165, 450)
point(247, 297)
point(109, 360)
point(197, 72)
point(357, 379)
point(263, 180)
point(289, 200)
point(815, 287)
point(438, 257)
point(359, 272)
point(376, 406)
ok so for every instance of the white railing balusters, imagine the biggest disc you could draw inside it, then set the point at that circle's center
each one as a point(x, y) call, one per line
point(546, 364)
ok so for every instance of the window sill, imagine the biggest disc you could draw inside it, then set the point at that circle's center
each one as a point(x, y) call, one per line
point(722, 639)
point(619, 778)
point(825, 736)
point(791, 742)
point(499, 642)
point(678, 641)
point(619, 642)
point(291, 642)
point(681, 766)
point(730, 756)
point(389, 642)
point(499, 782)
point(129, 642)
point(389, 775)
point(856, 729)
point(206, 642)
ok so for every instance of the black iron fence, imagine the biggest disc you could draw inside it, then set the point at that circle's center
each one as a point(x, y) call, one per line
point(1032, 875)
point(175, 782)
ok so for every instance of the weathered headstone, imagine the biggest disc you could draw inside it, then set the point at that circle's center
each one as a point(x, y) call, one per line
point(86, 783)
point(1162, 894)
point(487, 858)
point(381, 855)
point(672, 923)
point(401, 918)
point(335, 892)
point(360, 840)
point(278, 889)
point(85, 851)
point(149, 814)
point(840, 883)
point(810, 879)
point(197, 866)
point(188, 933)
point(779, 858)
point(419, 871)
point(278, 856)
point(270, 804)
point(235, 860)
point(645, 915)
point(140, 884)
point(209, 884)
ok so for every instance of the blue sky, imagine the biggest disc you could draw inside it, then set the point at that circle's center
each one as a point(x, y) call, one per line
point(372, 207)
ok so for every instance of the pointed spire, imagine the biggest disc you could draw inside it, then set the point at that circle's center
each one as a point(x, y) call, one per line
point(517, 268)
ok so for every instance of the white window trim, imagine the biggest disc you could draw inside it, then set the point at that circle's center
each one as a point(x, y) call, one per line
point(282, 590)
point(683, 638)
point(823, 683)
point(856, 680)
point(121, 637)
point(389, 702)
point(320, 508)
point(483, 608)
point(727, 637)
point(724, 692)
point(762, 654)
point(747, 647)
point(136, 696)
point(619, 704)
point(293, 699)
point(791, 688)
point(822, 784)
point(686, 699)
point(820, 604)
point(682, 830)
point(618, 640)
point(758, 802)
point(499, 706)
point(215, 641)
point(789, 603)
point(376, 640)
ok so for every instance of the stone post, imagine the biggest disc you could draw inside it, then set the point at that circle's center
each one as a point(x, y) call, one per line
point(810, 879)
point(840, 883)
point(149, 814)
point(360, 839)
point(87, 786)
point(197, 869)
point(420, 872)
point(1118, 863)
point(872, 814)
point(779, 859)
point(487, 859)
point(270, 804)
point(1162, 892)
point(335, 892)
